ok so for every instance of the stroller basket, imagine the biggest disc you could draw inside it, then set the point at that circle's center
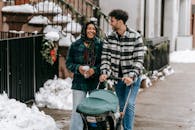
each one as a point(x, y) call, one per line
point(99, 102)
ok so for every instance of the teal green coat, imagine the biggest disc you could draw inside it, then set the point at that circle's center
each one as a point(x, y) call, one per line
point(75, 58)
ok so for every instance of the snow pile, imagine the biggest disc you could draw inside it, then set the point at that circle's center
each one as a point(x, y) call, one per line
point(54, 28)
point(48, 7)
point(154, 76)
point(162, 74)
point(146, 80)
point(39, 20)
point(62, 18)
point(53, 36)
point(55, 93)
point(66, 40)
point(26, 8)
point(15, 115)
point(73, 27)
point(187, 56)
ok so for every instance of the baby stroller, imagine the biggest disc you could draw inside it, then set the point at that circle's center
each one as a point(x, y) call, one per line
point(99, 110)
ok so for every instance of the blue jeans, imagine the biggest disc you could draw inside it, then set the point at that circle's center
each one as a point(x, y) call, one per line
point(122, 92)
point(76, 120)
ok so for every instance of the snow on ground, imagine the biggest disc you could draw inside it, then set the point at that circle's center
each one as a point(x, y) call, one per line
point(15, 115)
point(186, 56)
point(55, 93)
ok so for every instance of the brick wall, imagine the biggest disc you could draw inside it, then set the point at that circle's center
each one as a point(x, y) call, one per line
point(1, 5)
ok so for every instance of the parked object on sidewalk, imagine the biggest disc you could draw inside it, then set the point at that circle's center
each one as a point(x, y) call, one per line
point(157, 54)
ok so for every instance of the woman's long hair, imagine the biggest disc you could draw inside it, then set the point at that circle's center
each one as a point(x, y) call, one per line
point(89, 53)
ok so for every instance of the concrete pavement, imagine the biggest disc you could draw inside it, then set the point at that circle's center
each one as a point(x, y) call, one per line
point(167, 105)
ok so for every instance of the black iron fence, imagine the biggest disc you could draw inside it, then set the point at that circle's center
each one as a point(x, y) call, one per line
point(157, 56)
point(22, 68)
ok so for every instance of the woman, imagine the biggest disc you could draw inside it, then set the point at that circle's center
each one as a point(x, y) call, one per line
point(83, 59)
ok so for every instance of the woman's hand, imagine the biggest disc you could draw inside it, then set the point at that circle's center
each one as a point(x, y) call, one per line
point(89, 73)
point(81, 70)
point(86, 72)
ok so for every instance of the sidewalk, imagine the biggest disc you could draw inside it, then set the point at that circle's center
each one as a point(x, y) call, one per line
point(167, 105)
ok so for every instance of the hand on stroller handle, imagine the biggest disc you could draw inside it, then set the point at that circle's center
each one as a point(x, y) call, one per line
point(127, 80)
point(114, 78)
point(104, 78)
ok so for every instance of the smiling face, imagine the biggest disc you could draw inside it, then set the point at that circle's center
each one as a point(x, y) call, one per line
point(91, 31)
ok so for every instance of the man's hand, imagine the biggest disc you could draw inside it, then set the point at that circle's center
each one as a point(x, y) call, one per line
point(103, 77)
point(127, 80)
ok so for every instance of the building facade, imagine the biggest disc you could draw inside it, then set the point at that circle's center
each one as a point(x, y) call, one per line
point(174, 19)
point(158, 18)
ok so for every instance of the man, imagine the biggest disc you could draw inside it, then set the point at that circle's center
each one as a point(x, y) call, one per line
point(123, 56)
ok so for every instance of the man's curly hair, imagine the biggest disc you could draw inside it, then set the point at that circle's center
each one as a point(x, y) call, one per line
point(119, 15)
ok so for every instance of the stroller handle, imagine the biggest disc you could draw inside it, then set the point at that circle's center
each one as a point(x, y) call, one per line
point(114, 78)
point(111, 78)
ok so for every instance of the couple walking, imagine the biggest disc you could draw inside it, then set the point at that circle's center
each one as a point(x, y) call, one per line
point(121, 54)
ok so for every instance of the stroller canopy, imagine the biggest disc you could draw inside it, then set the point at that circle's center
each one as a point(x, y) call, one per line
point(98, 102)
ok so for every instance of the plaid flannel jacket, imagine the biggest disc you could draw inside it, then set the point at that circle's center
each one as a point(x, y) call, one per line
point(126, 51)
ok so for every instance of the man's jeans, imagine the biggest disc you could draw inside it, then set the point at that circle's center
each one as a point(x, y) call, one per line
point(122, 92)
point(76, 120)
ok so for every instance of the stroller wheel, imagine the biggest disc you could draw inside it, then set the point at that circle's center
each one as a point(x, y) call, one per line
point(109, 123)
point(119, 124)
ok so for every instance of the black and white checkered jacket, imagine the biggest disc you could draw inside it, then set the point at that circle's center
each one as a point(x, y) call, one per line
point(127, 51)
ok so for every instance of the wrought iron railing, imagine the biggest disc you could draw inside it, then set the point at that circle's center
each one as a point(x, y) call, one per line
point(80, 11)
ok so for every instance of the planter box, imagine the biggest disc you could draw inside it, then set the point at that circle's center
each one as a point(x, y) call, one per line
point(16, 20)
point(157, 56)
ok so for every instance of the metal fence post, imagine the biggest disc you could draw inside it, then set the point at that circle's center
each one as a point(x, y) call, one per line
point(34, 70)
point(8, 69)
